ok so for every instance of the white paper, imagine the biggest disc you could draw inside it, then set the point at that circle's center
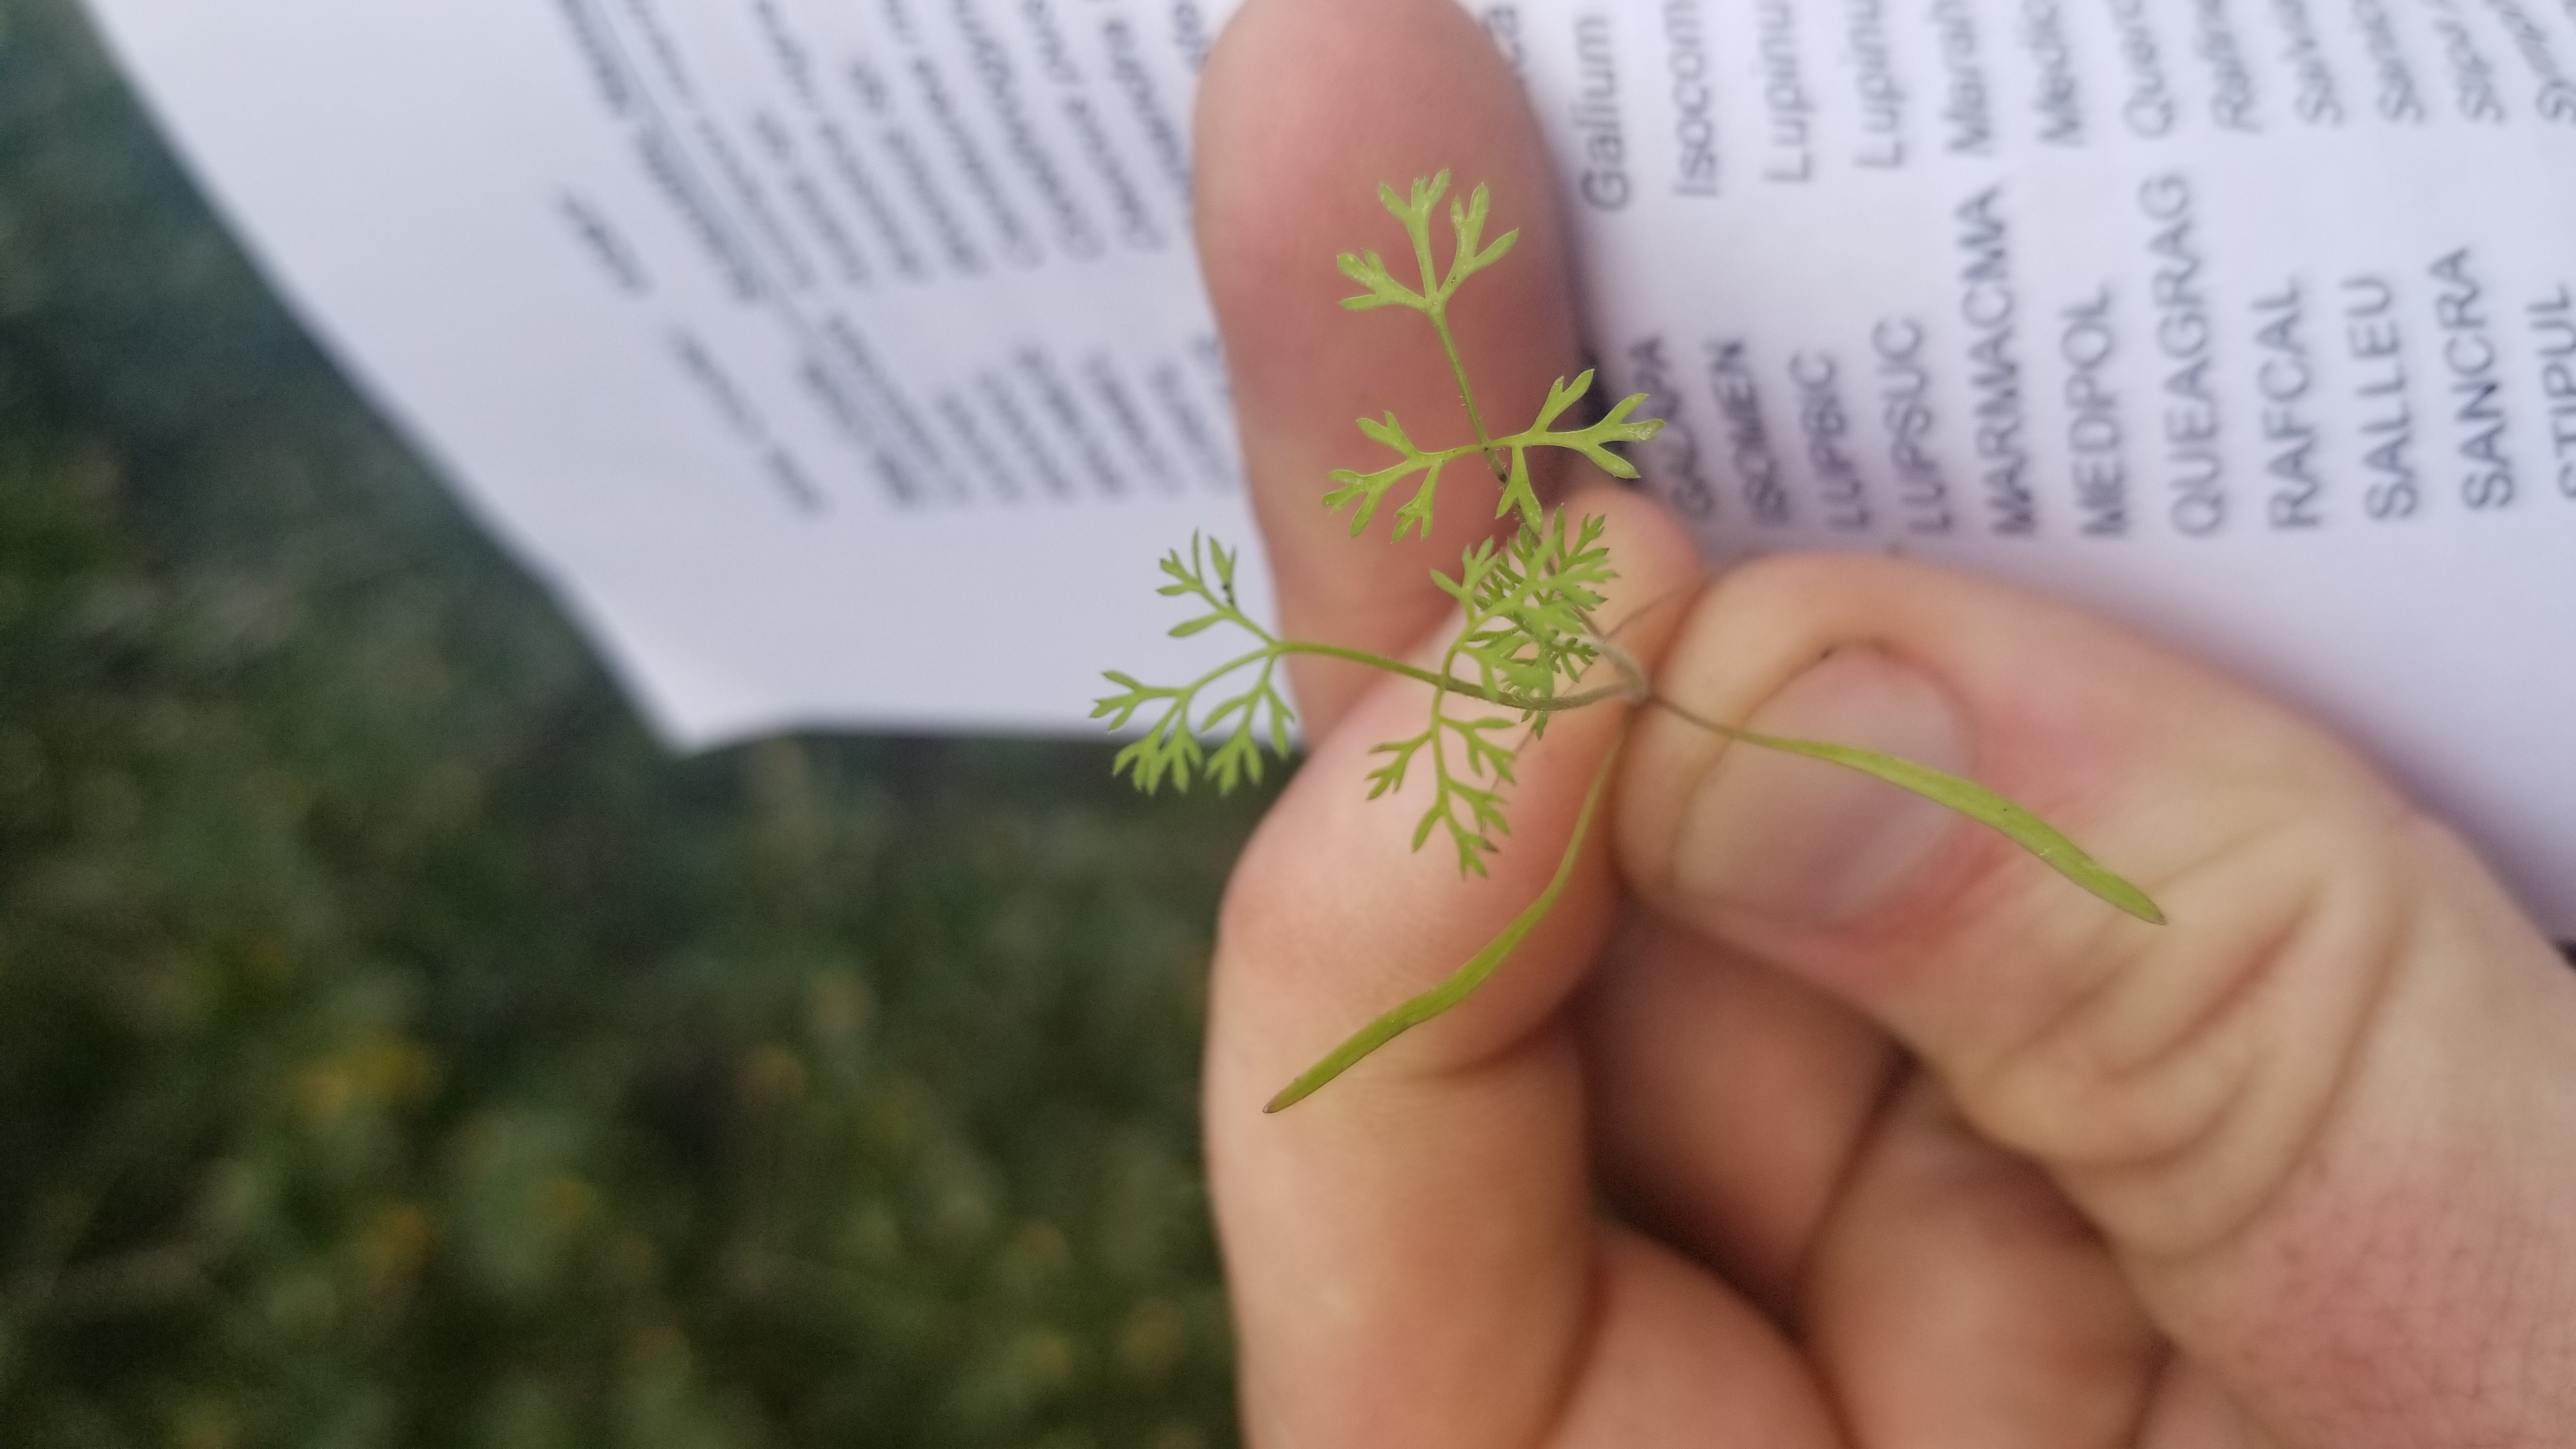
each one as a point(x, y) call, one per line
point(754, 325)
point(2253, 324)
point(686, 297)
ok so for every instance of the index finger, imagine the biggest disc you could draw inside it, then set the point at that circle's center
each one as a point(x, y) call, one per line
point(1304, 111)
point(1412, 1254)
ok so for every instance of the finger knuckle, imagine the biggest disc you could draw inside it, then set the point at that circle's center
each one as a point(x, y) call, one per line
point(2191, 1077)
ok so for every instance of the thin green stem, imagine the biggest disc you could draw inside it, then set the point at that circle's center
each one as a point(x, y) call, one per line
point(1373, 661)
point(1438, 312)
point(1234, 614)
point(1417, 226)
point(1451, 684)
point(1271, 650)
point(1525, 438)
point(1967, 797)
point(1435, 305)
point(1440, 764)
point(1467, 978)
point(1633, 673)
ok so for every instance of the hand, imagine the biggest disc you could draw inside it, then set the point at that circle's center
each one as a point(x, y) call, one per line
point(1909, 1142)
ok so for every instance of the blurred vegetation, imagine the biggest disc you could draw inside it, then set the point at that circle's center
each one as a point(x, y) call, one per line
point(396, 1047)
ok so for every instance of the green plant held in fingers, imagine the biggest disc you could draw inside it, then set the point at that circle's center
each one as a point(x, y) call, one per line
point(1527, 644)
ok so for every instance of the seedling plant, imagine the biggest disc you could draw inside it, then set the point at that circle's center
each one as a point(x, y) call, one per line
point(1529, 644)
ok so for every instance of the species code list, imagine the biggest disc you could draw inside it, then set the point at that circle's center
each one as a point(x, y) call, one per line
point(805, 180)
point(2109, 270)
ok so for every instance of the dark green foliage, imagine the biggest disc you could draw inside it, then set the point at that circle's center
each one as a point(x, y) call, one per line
point(397, 1048)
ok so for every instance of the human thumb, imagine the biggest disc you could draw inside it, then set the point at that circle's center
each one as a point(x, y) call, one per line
point(2325, 1116)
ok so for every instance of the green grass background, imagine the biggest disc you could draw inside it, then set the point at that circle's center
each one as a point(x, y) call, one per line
point(397, 1047)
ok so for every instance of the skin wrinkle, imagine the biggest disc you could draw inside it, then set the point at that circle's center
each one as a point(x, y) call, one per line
point(2332, 1099)
point(2081, 1017)
point(2399, 1315)
point(2219, 856)
point(1589, 1340)
point(2412, 1266)
point(1893, 1080)
point(2172, 1162)
point(2304, 933)
point(2224, 862)
point(1741, 1240)
point(1987, 1207)
point(2543, 1278)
